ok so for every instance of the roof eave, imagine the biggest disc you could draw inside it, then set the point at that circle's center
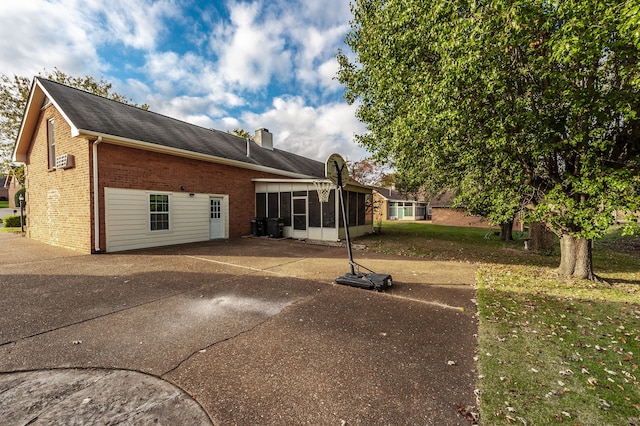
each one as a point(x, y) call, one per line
point(30, 117)
point(147, 146)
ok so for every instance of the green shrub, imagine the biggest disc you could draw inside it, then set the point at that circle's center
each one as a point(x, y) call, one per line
point(13, 221)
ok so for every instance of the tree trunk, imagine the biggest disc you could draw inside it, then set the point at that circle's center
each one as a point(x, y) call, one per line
point(567, 255)
point(540, 237)
point(584, 266)
point(575, 258)
point(506, 231)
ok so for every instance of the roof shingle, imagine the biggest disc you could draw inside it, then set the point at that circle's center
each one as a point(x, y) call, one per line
point(94, 113)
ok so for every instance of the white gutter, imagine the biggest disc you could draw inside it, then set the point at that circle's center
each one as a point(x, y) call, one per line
point(96, 196)
point(117, 140)
point(308, 180)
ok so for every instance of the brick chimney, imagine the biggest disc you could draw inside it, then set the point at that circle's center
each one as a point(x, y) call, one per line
point(264, 138)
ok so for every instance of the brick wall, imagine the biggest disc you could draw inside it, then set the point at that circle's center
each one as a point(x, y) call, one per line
point(60, 202)
point(130, 168)
point(457, 217)
point(57, 201)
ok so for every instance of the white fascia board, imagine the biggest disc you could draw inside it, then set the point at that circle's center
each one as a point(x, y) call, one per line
point(269, 180)
point(74, 129)
point(31, 114)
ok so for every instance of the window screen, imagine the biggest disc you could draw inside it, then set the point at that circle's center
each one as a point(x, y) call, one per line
point(285, 207)
point(261, 204)
point(273, 204)
point(329, 211)
point(353, 208)
point(315, 219)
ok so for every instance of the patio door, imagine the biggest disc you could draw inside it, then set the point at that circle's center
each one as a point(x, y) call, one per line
point(300, 217)
point(216, 218)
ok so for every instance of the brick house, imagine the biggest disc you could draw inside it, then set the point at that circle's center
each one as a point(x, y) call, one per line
point(4, 191)
point(12, 186)
point(391, 205)
point(102, 176)
point(442, 213)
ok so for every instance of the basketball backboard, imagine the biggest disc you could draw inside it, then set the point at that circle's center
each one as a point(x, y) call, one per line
point(336, 166)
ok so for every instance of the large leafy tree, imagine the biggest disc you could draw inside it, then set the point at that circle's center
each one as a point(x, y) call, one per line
point(532, 103)
point(366, 171)
point(14, 94)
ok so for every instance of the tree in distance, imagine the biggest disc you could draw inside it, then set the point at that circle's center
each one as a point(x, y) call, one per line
point(14, 95)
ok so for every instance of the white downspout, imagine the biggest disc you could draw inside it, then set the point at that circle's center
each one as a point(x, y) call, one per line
point(96, 196)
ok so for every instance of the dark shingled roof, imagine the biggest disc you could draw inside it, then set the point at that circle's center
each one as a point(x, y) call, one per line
point(394, 195)
point(94, 113)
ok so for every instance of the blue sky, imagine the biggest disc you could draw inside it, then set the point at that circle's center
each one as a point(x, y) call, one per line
point(219, 64)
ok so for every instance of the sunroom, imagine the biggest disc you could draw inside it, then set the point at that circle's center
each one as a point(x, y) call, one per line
point(296, 204)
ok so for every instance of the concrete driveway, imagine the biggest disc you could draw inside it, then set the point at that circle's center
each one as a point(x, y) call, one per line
point(247, 331)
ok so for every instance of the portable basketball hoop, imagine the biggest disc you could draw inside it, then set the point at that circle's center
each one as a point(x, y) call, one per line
point(337, 172)
point(323, 188)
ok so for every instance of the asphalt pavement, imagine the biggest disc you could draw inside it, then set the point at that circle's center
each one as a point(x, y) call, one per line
point(246, 331)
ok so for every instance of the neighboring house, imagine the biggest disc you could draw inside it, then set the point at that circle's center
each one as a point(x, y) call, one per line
point(106, 176)
point(12, 186)
point(442, 213)
point(391, 205)
point(4, 191)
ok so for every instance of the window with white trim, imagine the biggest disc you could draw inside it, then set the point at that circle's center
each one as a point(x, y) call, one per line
point(158, 212)
point(216, 209)
point(51, 142)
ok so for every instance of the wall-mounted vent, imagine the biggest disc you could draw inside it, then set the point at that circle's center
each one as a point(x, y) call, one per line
point(65, 161)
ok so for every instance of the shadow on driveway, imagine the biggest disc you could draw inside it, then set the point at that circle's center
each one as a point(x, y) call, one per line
point(249, 331)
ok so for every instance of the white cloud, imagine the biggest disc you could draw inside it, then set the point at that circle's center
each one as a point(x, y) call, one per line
point(271, 64)
point(137, 24)
point(308, 131)
point(36, 35)
point(251, 51)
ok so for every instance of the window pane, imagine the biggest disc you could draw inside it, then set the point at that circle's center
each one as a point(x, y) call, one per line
point(408, 209)
point(216, 209)
point(51, 141)
point(158, 212)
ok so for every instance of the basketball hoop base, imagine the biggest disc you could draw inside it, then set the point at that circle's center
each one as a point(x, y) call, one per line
point(377, 282)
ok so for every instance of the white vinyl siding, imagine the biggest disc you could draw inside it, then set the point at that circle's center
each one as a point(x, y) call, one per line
point(127, 219)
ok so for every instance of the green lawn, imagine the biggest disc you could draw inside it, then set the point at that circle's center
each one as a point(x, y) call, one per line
point(549, 350)
point(4, 204)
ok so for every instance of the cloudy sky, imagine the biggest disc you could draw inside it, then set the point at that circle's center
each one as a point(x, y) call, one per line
point(220, 64)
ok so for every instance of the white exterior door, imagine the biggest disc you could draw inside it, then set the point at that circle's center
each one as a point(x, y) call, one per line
point(216, 218)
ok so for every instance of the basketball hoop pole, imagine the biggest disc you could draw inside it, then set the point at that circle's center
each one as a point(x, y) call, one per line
point(344, 216)
point(336, 172)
